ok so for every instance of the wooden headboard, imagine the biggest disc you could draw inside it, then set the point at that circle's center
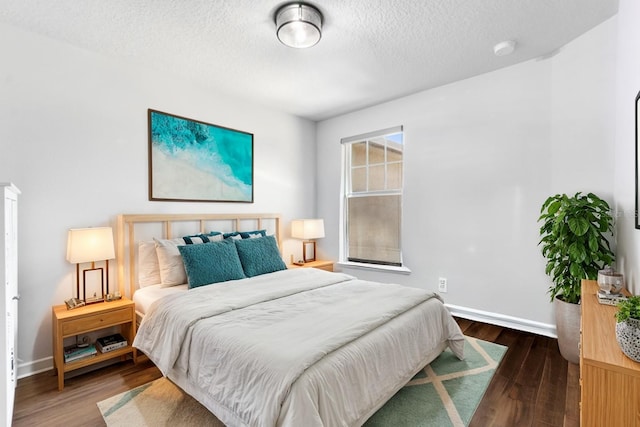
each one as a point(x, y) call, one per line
point(133, 228)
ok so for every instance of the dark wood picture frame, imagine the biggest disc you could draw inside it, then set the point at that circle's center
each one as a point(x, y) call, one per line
point(195, 161)
point(637, 122)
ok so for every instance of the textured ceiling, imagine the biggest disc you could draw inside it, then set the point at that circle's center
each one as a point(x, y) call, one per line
point(371, 50)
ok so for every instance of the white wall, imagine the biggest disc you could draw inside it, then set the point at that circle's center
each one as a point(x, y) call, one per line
point(73, 137)
point(482, 154)
point(627, 89)
point(481, 157)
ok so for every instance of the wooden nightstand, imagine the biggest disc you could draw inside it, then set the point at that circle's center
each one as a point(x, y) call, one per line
point(93, 317)
point(322, 265)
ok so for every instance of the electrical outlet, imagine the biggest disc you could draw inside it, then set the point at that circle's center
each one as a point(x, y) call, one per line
point(442, 284)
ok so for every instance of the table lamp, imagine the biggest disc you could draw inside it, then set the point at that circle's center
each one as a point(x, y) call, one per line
point(307, 230)
point(86, 245)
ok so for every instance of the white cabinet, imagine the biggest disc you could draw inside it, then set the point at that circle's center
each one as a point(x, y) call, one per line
point(9, 297)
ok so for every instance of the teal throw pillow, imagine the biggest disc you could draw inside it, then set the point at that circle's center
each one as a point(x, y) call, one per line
point(211, 263)
point(259, 256)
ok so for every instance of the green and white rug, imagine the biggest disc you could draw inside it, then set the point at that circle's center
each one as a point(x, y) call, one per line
point(445, 393)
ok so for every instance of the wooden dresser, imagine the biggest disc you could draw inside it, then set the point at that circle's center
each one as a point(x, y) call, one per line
point(610, 381)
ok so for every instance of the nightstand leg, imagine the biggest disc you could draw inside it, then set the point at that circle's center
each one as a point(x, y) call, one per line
point(58, 365)
point(60, 380)
point(54, 343)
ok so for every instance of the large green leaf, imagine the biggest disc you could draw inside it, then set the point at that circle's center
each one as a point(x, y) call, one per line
point(593, 243)
point(577, 271)
point(578, 225)
point(553, 207)
point(577, 252)
point(548, 269)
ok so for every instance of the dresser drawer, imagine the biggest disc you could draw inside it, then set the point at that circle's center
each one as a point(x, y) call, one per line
point(96, 321)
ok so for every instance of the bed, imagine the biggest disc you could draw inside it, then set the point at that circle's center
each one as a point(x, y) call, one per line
point(274, 346)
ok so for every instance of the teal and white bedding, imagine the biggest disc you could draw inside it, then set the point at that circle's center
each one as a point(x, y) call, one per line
point(300, 347)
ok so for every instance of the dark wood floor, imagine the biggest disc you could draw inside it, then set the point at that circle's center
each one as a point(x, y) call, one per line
point(533, 386)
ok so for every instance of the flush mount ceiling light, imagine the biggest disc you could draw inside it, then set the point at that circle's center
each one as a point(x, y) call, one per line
point(298, 25)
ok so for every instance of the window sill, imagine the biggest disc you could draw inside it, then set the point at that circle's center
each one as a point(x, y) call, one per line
point(375, 267)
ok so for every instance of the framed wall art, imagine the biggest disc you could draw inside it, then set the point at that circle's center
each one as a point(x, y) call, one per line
point(637, 130)
point(194, 161)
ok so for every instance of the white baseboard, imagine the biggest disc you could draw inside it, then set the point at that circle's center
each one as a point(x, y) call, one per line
point(34, 367)
point(503, 320)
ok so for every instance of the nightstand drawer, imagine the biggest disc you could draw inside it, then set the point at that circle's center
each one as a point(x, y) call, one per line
point(102, 320)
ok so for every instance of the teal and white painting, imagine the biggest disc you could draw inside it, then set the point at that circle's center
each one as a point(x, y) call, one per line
point(191, 160)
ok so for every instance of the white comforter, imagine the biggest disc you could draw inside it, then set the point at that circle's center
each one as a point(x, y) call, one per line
point(248, 344)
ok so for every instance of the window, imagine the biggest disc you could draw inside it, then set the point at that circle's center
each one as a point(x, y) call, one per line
point(372, 217)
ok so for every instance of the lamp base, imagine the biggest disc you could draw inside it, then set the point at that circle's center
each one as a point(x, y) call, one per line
point(102, 271)
point(305, 258)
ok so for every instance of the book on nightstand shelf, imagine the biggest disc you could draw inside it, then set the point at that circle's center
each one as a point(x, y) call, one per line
point(74, 353)
point(110, 343)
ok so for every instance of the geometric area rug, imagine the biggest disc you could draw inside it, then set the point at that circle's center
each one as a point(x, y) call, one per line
point(445, 393)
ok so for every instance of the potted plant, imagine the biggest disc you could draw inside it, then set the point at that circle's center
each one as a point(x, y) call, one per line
point(574, 241)
point(628, 327)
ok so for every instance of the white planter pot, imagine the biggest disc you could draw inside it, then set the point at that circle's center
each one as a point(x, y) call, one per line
point(628, 336)
point(568, 329)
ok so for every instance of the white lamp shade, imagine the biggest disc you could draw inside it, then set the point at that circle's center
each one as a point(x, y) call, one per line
point(307, 229)
point(90, 244)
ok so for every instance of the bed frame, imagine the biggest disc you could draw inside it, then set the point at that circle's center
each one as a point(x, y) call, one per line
point(132, 228)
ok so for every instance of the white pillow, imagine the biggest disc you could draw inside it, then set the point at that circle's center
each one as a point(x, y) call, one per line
point(148, 267)
point(170, 262)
